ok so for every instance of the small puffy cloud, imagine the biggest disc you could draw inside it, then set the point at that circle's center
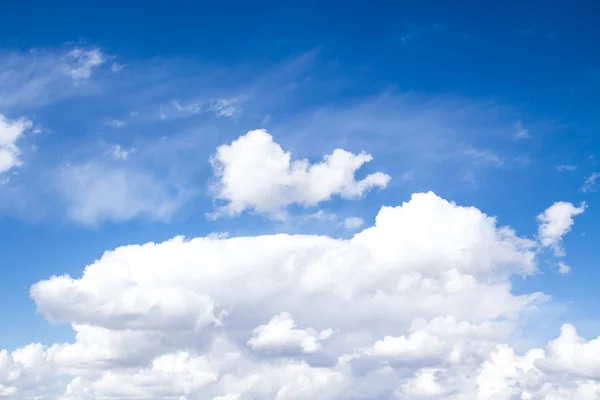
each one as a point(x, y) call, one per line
point(255, 173)
point(572, 354)
point(281, 334)
point(520, 131)
point(353, 223)
point(79, 63)
point(563, 268)
point(418, 346)
point(10, 133)
point(555, 222)
point(115, 123)
point(590, 183)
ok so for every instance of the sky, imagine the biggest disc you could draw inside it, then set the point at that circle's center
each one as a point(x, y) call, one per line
point(299, 200)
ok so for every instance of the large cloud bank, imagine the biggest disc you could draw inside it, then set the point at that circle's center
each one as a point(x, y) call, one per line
point(418, 306)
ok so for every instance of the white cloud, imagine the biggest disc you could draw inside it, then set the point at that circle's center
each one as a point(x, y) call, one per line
point(116, 67)
point(555, 222)
point(230, 108)
point(572, 354)
point(590, 183)
point(566, 167)
point(119, 153)
point(10, 133)
point(35, 78)
point(421, 305)
point(407, 175)
point(483, 157)
point(115, 123)
point(79, 63)
point(281, 334)
point(255, 173)
point(95, 192)
point(563, 268)
point(353, 223)
point(188, 109)
point(521, 132)
point(418, 346)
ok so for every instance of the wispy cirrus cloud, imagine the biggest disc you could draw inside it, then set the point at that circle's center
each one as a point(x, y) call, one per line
point(227, 107)
point(590, 183)
point(79, 63)
point(434, 136)
point(566, 167)
point(115, 123)
point(37, 78)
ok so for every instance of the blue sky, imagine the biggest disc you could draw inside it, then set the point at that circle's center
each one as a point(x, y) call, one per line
point(488, 104)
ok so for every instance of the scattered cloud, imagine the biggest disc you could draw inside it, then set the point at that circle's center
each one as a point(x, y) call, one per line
point(590, 183)
point(555, 222)
point(563, 268)
point(484, 157)
point(188, 109)
point(115, 123)
point(95, 193)
point(353, 223)
point(116, 67)
point(521, 132)
point(10, 133)
point(566, 167)
point(255, 173)
point(119, 153)
point(230, 108)
point(281, 334)
point(407, 175)
point(79, 63)
point(399, 315)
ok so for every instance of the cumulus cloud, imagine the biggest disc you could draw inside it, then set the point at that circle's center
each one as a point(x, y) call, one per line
point(419, 305)
point(281, 333)
point(10, 133)
point(555, 222)
point(255, 173)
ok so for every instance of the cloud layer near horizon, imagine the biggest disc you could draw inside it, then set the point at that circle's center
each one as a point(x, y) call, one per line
point(419, 305)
